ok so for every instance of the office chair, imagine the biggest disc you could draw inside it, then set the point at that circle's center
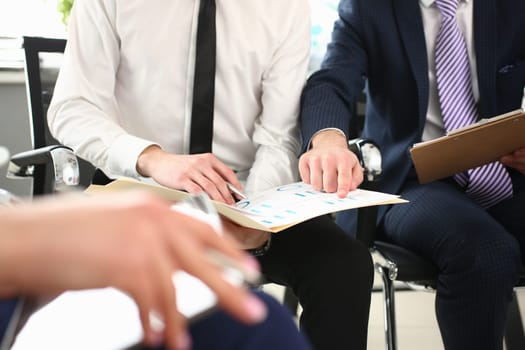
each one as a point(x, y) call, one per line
point(42, 61)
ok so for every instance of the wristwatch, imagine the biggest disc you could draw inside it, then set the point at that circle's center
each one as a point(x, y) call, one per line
point(369, 155)
point(260, 251)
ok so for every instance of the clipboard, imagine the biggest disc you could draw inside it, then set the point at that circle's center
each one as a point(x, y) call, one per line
point(469, 147)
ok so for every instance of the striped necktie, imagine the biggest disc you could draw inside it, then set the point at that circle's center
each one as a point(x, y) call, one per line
point(490, 183)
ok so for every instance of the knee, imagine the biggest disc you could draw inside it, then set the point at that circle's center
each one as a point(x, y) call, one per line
point(499, 258)
point(279, 320)
point(350, 263)
point(275, 311)
point(493, 258)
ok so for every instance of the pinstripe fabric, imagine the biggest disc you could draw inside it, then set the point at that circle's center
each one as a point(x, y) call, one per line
point(490, 183)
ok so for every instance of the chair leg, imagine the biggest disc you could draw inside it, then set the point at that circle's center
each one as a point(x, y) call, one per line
point(514, 334)
point(389, 308)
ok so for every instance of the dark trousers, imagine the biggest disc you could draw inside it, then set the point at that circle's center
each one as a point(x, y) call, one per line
point(332, 276)
point(221, 332)
point(478, 254)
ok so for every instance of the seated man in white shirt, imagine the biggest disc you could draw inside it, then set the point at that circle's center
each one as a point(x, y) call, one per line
point(123, 102)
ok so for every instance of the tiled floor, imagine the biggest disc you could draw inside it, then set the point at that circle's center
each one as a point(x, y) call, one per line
point(416, 322)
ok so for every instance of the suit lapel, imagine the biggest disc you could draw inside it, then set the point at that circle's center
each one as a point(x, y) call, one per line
point(485, 46)
point(410, 24)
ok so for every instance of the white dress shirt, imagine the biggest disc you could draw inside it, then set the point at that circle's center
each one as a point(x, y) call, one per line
point(127, 82)
point(431, 23)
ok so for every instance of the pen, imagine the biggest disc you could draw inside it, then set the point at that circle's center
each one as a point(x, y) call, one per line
point(236, 191)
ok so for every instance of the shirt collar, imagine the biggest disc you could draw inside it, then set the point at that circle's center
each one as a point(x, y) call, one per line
point(428, 3)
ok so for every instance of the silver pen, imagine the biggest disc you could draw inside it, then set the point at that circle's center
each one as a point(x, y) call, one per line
point(236, 191)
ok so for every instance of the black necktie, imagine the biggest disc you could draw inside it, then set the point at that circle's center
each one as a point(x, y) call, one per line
point(204, 82)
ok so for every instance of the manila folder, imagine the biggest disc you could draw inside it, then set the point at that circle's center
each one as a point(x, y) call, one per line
point(469, 147)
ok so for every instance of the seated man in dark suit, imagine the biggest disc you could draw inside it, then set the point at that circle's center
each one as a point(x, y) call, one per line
point(56, 245)
point(430, 66)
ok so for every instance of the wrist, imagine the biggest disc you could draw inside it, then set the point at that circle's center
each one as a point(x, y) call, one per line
point(147, 159)
point(262, 249)
point(331, 137)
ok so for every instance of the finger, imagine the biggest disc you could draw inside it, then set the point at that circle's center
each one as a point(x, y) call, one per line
point(201, 234)
point(228, 246)
point(357, 176)
point(518, 165)
point(510, 161)
point(234, 299)
point(226, 173)
point(144, 301)
point(519, 158)
point(192, 256)
point(304, 169)
point(520, 152)
point(316, 173)
point(357, 171)
point(175, 331)
point(329, 174)
point(208, 186)
point(344, 180)
point(220, 185)
point(191, 186)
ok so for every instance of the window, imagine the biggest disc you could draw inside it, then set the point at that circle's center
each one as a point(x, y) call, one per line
point(30, 17)
point(41, 18)
point(324, 13)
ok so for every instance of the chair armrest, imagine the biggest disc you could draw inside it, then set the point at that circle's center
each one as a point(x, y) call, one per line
point(21, 161)
point(369, 156)
point(62, 158)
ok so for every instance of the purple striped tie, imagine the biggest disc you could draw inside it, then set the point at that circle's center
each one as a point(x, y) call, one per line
point(487, 184)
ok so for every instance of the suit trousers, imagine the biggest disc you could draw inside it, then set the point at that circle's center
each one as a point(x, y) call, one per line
point(221, 332)
point(478, 253)
point(331, 274)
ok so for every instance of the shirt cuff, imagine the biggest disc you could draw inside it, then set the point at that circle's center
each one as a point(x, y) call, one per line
point(123, 155)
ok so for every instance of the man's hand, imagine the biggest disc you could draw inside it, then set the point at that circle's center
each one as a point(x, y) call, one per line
point(515, 160)
point(329, 165)
point(192, 173)
point(133, 242)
